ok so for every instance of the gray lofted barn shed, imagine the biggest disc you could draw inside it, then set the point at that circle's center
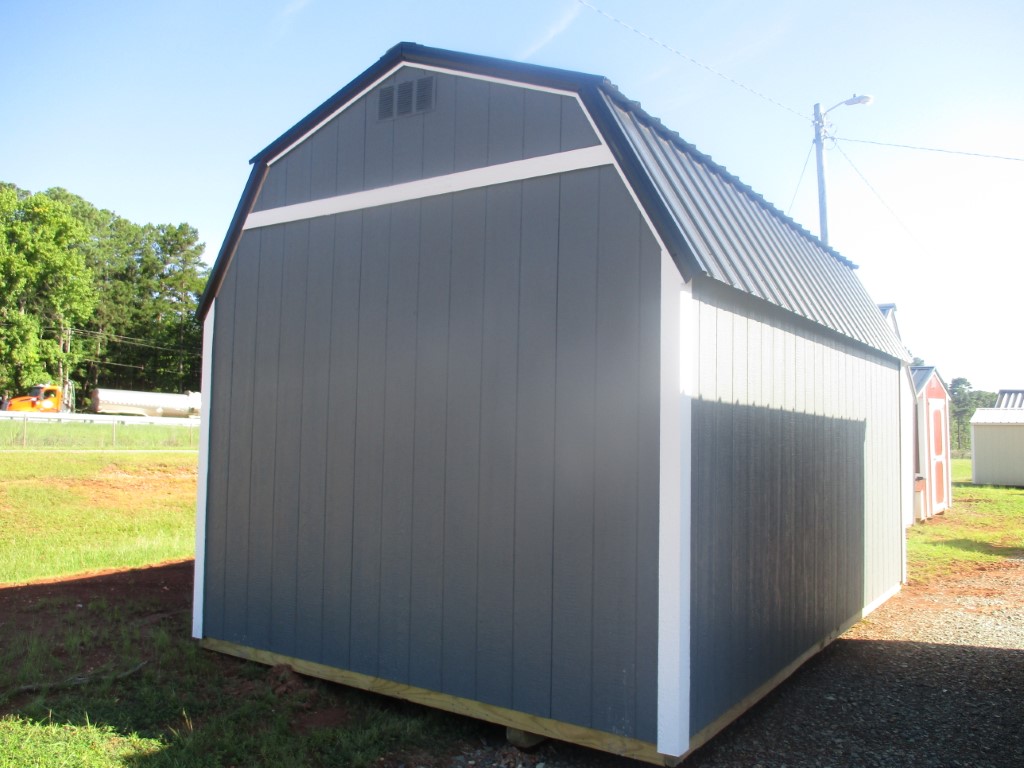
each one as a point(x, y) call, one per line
point(522, 407)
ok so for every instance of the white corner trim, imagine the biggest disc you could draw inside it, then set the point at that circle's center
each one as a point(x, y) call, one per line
point(518, 170)
point(878, 601)
point(204, 472)
point(677, 356)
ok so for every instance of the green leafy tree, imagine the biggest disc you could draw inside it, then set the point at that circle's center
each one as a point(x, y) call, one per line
point(46, 288)
point(87, 292)
point(963, 403)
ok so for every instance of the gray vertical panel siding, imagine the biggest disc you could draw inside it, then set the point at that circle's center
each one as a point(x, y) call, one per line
point(439, 130)
point(288, 447)
point(298, 174)
point(573, 621)
point(429, 443)
point(478, 514)
point(399, 418)
point(369, 458)
point(340, 418)
point(219, 413)
point(542, 123)
point(267, 398)
point(473, 124)
point(498, 444)
point(471, 121)
point(351, 169)
point(240, 408)
point(535, 448)
point(313, 471)
point(617, 342)
point(379, 150)
point(462, 449)
point(794, 500)
point(323, 146)
point(505, 124)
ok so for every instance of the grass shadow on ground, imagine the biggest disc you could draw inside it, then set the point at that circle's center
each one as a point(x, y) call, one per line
point(103, 671)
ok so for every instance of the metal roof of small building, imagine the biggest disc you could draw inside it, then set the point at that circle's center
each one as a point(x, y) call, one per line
point(998, 416)
point(1010, 398)
point(921, 374)
point(714, 226)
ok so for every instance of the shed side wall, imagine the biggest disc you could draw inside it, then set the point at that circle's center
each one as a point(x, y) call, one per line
point(997, 454)
point(796, 514)
point(433, 456)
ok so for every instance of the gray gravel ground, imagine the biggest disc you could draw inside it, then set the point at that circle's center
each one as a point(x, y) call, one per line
point(934, 678)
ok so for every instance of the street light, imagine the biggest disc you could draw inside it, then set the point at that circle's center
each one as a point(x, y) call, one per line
point(819, 133)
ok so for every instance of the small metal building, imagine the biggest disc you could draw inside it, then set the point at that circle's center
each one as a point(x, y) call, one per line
point(523, 408)
point(933, 458)
point(997, 441)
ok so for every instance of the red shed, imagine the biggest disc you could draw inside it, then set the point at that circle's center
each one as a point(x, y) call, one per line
point(934, 489)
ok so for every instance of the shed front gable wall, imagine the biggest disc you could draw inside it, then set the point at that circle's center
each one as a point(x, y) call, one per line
point(434, 447)
point(472, 123)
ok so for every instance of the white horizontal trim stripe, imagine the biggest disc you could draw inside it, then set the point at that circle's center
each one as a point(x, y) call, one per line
point(519, 170)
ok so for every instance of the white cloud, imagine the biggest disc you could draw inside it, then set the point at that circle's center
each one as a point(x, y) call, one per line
point(552, 32)
point(293, 7)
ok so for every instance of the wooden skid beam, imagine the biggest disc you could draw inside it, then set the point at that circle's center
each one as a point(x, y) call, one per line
point(541, 726)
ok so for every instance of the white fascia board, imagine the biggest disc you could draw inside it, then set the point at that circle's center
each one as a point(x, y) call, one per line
point(518, 170)
point(678, 355)
point(426, 67)
point(204, 473)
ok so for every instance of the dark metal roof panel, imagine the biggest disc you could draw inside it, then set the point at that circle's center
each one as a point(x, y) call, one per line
point(921, 374)
point(738, 238)
point(1010, 398)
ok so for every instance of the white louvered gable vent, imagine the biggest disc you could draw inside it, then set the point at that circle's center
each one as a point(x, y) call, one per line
point(406, 98)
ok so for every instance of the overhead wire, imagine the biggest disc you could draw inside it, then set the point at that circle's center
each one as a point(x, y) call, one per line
point(691, 59)
point(868, 184)
point(936, 149)
point(801, 179)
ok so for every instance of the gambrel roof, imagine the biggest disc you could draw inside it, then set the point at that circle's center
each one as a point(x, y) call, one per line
point(720, 233)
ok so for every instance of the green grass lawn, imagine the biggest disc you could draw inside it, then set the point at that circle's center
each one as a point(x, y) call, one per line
point(143, 694)
point(64, 512)
point(984, 525)
point(53, 435)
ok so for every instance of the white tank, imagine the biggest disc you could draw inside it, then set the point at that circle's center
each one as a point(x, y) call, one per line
point(127, 403)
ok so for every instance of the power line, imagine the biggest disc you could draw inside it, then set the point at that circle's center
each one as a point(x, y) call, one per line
point(801, 179)
point(690, 59)
point(878, 196)
point(935, 149)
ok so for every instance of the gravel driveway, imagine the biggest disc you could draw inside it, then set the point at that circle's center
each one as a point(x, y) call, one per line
point(935, 677)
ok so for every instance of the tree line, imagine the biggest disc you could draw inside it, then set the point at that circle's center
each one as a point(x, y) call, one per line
point(963, 402)
point(90, 296)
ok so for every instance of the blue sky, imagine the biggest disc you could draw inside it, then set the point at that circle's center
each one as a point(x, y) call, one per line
point(153, 109)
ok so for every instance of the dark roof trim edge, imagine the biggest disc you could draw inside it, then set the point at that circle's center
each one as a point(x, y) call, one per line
point(234, 234)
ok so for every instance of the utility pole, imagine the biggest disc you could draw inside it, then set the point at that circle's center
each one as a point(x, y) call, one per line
point(819, 155)
point(819, 139)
